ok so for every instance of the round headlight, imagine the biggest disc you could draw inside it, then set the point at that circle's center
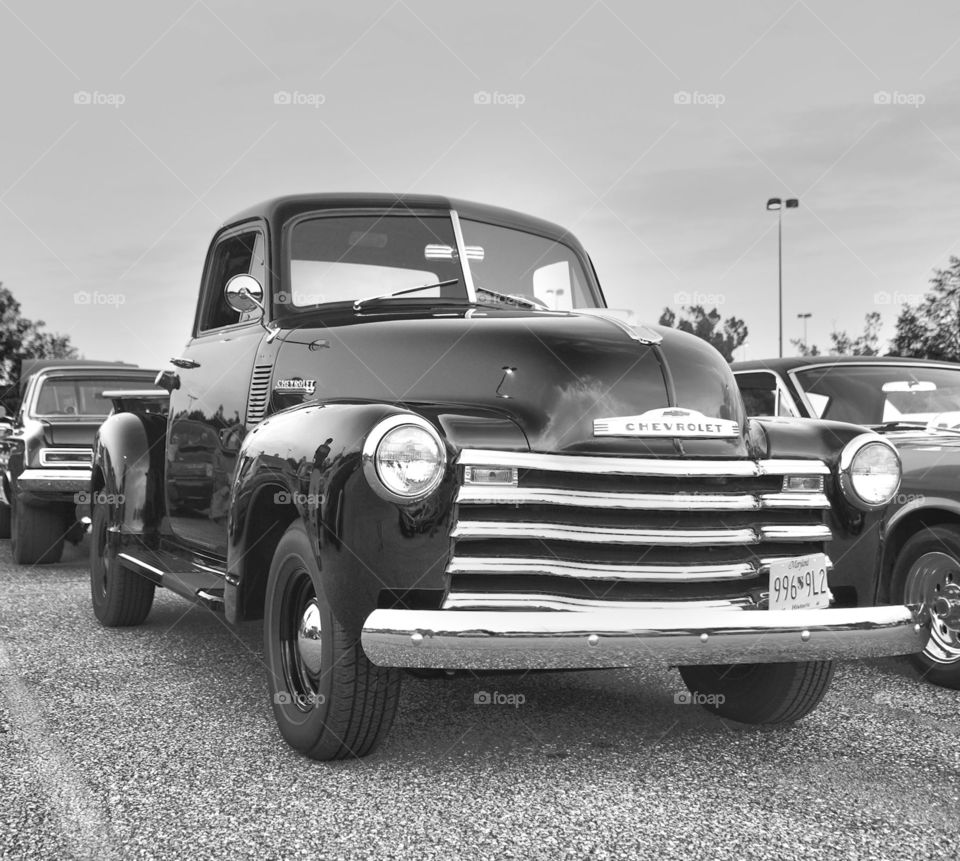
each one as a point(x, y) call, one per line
point(869, 472)
point(404, 458)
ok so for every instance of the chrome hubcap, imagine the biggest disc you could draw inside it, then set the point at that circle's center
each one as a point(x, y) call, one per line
point(931, 577)
point(309, 642)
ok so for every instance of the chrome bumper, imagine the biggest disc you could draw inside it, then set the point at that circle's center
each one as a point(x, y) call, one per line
point(45, 480)
point(482, 640)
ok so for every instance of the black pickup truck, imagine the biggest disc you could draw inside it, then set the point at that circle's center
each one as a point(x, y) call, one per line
point(418, 439)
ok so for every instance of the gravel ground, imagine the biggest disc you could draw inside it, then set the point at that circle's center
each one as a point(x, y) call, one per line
point(159, 742)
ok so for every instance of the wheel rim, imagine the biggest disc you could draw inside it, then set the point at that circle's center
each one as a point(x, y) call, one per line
point(925, 581)
point(301, 643)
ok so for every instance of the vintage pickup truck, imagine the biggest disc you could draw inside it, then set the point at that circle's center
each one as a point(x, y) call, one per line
point(426, 444)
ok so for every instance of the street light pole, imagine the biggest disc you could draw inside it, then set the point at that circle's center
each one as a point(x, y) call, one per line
point(775, 203)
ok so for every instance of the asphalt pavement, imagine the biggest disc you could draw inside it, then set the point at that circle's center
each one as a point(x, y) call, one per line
point(159, 742)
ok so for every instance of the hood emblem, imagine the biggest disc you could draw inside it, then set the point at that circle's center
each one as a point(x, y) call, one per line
point(295, 386)
point(671, 422)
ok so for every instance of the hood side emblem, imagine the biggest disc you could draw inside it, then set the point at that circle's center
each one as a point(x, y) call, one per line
point(295, 386)
point(670, 422)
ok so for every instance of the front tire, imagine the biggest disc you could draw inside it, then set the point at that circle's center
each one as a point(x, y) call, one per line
point(329, 701)
point(121, 598)
point(928, 561)
point(4, 520)
point(37, 533)
point(760, 693)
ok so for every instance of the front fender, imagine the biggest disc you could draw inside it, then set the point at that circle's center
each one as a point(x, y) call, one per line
point(306, 462)
point(128, 459)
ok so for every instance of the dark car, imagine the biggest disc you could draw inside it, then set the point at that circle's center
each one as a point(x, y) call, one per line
point(915, 404)
point(437, 449)
point(45, 459)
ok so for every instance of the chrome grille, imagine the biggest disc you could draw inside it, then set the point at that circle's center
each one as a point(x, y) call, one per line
point(576, 530)
point(259, 394)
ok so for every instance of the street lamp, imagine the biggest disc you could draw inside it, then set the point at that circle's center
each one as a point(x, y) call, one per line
point(804, 317)
point(775, 203)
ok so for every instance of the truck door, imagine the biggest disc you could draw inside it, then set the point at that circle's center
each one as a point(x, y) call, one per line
point(208, 410)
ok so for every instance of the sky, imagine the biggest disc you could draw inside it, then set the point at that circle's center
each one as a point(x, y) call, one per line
point(656, 132)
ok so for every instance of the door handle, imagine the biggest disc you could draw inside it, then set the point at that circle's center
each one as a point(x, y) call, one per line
point(185, 363)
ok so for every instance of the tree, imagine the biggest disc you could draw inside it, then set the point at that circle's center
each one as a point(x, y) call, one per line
point(725, 335)
point(22, 338)
point(931, 328)
point(841, 344)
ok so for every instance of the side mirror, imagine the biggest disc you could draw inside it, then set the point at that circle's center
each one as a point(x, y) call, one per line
point(244, 293)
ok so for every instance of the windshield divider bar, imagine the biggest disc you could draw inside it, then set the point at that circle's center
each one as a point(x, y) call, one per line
point(464, 262)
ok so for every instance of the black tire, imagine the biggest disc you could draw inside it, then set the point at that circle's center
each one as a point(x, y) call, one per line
point(121, 598)
point(329, 702)
point(928, 561)
point(37, 533)
point(760, 693)
point(4, 520)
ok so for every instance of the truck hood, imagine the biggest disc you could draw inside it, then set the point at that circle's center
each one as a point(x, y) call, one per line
point(552, 373)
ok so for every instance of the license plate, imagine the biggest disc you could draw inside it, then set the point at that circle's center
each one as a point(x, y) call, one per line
point(799, 583)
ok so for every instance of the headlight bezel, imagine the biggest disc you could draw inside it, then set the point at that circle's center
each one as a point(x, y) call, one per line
point(848, 457)
point(375, 438)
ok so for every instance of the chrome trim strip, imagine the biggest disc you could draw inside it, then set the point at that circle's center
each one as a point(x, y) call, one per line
point(640, 332)
point(84, 453)
point(464, 261)
point(594, 571)
point(133, 560)
point(559, 603)
point(685, 468)
point(605, 535)
point(813, 532)
point(458, 639)
point(506, 495)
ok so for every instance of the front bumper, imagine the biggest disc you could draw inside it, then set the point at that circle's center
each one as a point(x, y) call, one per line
point(607, 638)
point(52, 482)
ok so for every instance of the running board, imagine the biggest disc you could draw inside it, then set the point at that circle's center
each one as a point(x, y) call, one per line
point(200, 586)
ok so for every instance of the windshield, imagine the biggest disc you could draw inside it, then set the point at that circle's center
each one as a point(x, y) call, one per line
point(78, 397)
point(349, 258)
point(876, 394)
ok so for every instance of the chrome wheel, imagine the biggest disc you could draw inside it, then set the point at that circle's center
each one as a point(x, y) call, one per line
point(301, 634)
point(928, 577)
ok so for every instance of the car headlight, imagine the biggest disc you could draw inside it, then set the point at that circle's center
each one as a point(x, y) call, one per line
point(869, 472)
point(404, 458)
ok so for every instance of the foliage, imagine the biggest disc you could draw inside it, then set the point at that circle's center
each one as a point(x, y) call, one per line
point(725, 335)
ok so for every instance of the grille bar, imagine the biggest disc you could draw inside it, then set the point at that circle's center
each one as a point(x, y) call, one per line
point(533, 601)
point(592, 571)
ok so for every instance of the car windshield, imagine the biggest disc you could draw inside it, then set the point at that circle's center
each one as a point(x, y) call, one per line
point(878, 394)
point(351, 258)
point(71, 396)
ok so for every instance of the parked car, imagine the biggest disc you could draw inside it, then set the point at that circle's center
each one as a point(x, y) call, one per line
point(45, 458)
point(438, 450)
point(915, 404)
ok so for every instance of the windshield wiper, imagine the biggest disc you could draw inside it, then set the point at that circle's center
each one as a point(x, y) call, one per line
point(911, 425)
point(359, 303)
point(510, 298)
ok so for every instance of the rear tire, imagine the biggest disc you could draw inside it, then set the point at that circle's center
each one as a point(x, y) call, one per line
point(329, 701)
point(121, 598)
point(928, 561)
point(760, 693)
point(37, 533)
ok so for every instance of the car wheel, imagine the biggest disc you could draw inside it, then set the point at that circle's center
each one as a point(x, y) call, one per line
point(929, 561)
point(121, 597)
point(37, 533)
point(4, 520)
point(329, 701)
point(759, 693)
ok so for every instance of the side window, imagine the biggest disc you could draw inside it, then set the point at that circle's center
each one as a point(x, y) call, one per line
point(240, 254)
point(763, 395)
